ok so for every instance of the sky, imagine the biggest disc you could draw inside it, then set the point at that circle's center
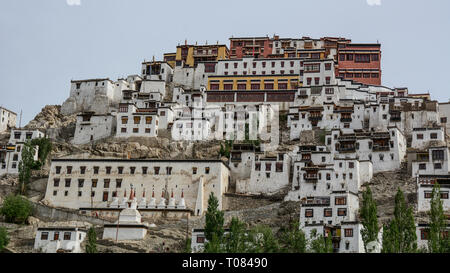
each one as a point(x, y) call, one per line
point(44, 44)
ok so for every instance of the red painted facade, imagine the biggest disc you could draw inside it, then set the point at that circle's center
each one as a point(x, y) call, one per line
point(258, 47)
point(360, 63)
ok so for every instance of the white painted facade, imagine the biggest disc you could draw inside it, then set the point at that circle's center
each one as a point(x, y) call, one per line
point(92, 127)
point(423, 137)
point(435, 161)
point(94, 183)
point(385, 149)
point(133, 121)
point(55, 239)
point(425, 185)
point(7, 119)
point(11, 154)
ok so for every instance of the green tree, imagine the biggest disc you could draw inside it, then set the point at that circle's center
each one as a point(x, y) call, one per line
point(16, 209)
point(369, 219)
point(91, 246)
point(25, 166)
point(44, 148)
point(215, 245)
point(293, 239)
point(262, 240)
point(4, 238)
point(320, 243)
point(436, 241)
point(187, 246)
point(399, 236)
point(236, 240)
point(214, 219)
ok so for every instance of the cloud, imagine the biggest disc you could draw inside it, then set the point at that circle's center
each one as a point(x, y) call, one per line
point(374, 2)
point(78, 2)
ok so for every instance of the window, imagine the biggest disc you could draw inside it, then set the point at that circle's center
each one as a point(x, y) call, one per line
point(268, 86)
point(137, 120)
point(44, 236)
point(96, 169)
point(348, 232)
point(69, 169)
point(279, 167)
point(194, 170)
point(67, 184)
point(433, 135)
point(118, 183)
point(80, 183)
point(120, 170)
point(105, 196)
point(422, 166)
point(56, 236)
point(419, 136)
point(169, 170)
point(108, 170)
point(328, 66)
point(124, 120)
point(257, 166)
point(349, 57)
point(342, 212)
point(437, 154)
point(362, 58)
point(206, 170)
point(94, 183)
point(327, 212)
point(58, 169)
point(444, 120)
point(200, 239)
point(82, 169)
point(444, 195)
point(375, 57)
point(340, 200)
point(148, 120)
point(438, 166)
point(67, 235)
point(132, 170)
point(144, 170)
point(56, 182)
point(282, 86)
point(351, 165)
point(309, 213)
point(424, 234)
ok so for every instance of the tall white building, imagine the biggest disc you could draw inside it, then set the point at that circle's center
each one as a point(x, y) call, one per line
point(7, 119)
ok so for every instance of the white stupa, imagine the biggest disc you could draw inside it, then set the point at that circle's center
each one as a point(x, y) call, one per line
point(143, 202)
point(182, 203)
point(129, 225)
point(171, 202)
point(162, 203)
point(152, 203)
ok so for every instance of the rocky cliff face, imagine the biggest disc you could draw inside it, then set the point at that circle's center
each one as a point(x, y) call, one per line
point(51, 117)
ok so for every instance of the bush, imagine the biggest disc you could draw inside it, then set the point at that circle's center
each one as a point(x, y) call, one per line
point(4, 239)
point(16, 209)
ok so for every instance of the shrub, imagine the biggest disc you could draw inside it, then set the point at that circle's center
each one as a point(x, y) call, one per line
point(16, 209)
point(4, 239)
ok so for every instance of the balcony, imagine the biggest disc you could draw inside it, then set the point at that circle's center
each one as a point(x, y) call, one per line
point(323, 201)
point(346, 119)
point(311, 178)
point(377, 148)
point(347, 149)
point(315, 118)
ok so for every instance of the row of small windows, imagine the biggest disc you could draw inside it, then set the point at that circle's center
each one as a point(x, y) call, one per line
point(120, 170)
point(67, 236)
point(263, 64)
point(309, 213)
point(429, 194)
point(137, 120)
point(106, 183)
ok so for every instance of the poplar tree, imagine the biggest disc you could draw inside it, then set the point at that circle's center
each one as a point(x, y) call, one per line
point(293, 239)
point(25, 166)
point(436, 240)
point(399, 236)
point(369, 219)
point(91, 246)
point(214, 219)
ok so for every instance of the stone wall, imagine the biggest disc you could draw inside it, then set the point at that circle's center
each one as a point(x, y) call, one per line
point(56, 214)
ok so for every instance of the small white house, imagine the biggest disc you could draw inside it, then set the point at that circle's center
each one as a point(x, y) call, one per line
point(7, 119)
point(92, 127)
point(59, 239)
